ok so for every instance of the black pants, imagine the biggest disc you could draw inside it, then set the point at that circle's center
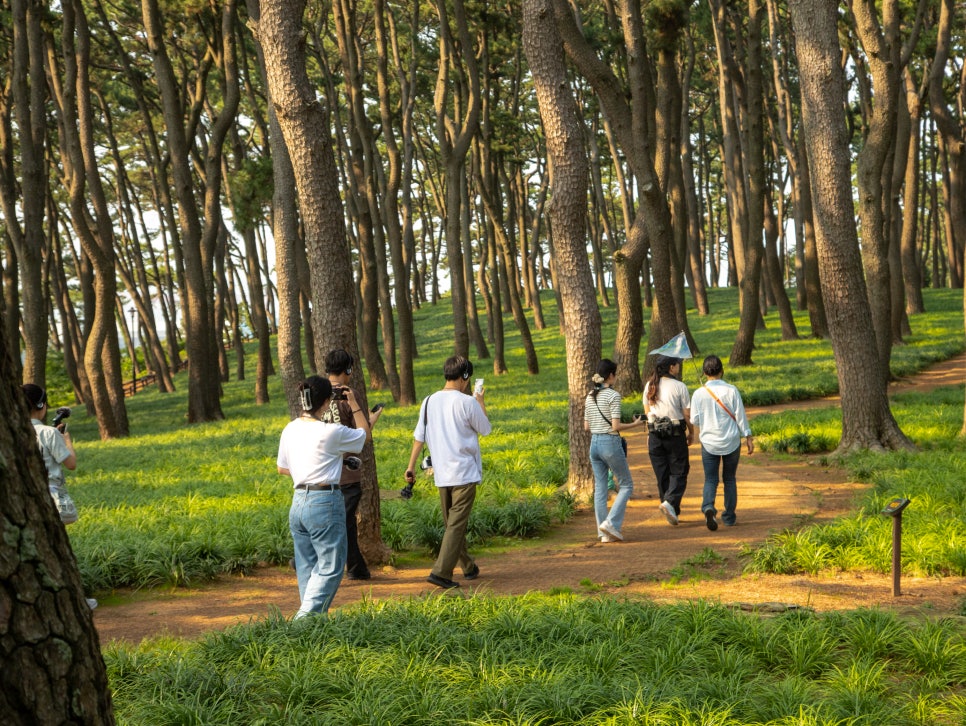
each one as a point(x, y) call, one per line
point(355, 563)
point(669, 458)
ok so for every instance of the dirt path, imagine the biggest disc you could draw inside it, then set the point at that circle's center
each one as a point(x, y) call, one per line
point(773, 494)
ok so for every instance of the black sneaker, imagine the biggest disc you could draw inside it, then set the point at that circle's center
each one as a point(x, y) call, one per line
point(712, 522)
point(473, 573)
point(364, 575)
point(442, 582)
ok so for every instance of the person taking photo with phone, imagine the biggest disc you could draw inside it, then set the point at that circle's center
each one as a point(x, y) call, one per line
point(338, 368)
point(450, 424)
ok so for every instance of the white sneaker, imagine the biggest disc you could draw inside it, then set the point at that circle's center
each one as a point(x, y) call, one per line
point(91, 602)
point(669, 513)
point(607, 538)
point(607, 528)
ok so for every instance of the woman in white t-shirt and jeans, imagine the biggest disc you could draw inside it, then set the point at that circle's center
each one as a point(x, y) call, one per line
point(310, 451)
point(602, 417)
point(667, 405)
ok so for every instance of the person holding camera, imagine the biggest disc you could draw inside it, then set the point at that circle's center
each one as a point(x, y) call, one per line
point(57, 449)
point(667, 405)
point(338, 368)
point(719, 413)
point(608, 451)
point(311, 451)
point(450, 424)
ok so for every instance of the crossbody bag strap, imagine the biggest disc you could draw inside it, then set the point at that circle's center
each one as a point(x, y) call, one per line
point(727, 410)
point(606, 420)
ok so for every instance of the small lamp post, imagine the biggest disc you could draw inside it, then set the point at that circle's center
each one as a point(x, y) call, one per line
point(894, 509)
point(134, 358)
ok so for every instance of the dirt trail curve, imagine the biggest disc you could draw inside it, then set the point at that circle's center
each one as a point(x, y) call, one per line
point(772, 495)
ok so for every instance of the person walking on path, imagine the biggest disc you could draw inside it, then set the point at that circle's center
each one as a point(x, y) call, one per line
point(311, 451)
point(338, 368)
point(608, 451)
point(667, 405)
point(719, 413)
point(450, 424)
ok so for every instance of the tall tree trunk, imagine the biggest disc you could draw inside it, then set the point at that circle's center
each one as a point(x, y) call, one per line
point(94, 226)
point(53, 671)
point(867, 421)
point(813, 283)
point(630, 113)
point(909, 219)
point(568, 214)
point(285, 231)
point(29, 97)
point(454, 142)
point(880, 42)
point(197, 241)
point(773, 264)
point(695, 262)
point(393, 218)
point(952, 138)
point(305, 128)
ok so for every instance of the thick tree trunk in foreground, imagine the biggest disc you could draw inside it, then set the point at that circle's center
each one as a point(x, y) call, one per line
point(867, 421)
point(52, 671)
point(568, 216)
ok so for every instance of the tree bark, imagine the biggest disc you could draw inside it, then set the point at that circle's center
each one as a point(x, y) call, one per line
point(198, 241)
point(952, 132)
point(304, 121)
point(53, 671)
point(29, 97)
point(880, 41)
point(568, 214)
point(867, 421)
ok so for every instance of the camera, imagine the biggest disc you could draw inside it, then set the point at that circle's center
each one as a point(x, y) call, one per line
point(352, 463)
point(338, 393)
point(61, 413)
point(426, 463)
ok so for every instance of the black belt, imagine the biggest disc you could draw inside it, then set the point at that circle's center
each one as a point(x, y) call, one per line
point(317, 487)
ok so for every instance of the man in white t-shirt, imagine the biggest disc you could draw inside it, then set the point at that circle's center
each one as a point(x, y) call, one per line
point(450, 424)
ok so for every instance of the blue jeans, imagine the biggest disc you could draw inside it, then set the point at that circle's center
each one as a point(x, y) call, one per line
point(606, 453)
point(317, 522)
point(729, 468)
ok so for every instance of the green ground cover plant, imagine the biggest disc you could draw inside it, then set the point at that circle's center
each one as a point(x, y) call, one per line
point(551, 659)
point(175, 504)
point(934, 524)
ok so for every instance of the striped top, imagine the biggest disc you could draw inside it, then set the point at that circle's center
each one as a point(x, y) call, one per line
point(609, 403)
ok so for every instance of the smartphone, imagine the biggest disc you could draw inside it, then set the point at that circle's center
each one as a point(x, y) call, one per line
point(478, 387)
point(377, 407)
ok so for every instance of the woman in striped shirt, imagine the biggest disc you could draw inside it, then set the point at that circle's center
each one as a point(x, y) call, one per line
point(602, 417)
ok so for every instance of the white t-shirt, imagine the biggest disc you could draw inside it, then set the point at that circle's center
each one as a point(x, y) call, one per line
point(54, 449)
point(720, 434)
point(312, 450)
point(450, 424)
point(672, 400)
